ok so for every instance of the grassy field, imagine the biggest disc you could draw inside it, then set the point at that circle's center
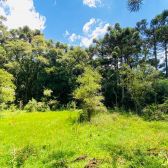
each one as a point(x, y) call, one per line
point(55, 139)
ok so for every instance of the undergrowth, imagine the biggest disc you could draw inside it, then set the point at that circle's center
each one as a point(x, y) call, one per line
point(55, 139)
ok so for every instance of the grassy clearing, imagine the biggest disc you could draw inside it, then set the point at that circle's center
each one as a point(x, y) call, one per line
point(51, 139)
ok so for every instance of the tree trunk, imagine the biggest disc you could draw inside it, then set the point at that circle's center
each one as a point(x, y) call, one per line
point(122, 78)
point(166, 59)
point(117, 70)
point(155, 53)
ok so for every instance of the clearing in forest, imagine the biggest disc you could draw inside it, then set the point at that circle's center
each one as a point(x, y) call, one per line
point(57, 139)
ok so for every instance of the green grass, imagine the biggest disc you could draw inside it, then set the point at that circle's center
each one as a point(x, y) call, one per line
point(49, 140)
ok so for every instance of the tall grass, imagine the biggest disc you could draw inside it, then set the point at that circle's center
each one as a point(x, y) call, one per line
point(54, 139)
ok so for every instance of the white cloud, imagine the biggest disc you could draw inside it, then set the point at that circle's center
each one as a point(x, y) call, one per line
point(89, 33)
point(2, 12)
point(74, 37)
point(20, 13)
point(99, 31)
point(162, 57)
point(92, 3)
point(87, 26)
point(86, 41)
point(66, 33)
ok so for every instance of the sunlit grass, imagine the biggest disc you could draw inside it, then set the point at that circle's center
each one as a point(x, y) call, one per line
point(53, 138)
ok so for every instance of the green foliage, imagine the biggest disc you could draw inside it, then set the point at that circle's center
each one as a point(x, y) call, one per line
point(42, 106)
point(138, 82)
point(47, 92)
point(161, 89)
point(134, 5)
point(12, 108)
point(152, 112)
point(7, 88)
point(89, 92)
point(3, 106)
point(53, 104)
point(156, 112)
point(73, 105)
point(37, 63)
point(33, 106)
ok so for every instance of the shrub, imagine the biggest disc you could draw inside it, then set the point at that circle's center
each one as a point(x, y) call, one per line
point(42, 106)
point(12, 107)
point(73, 104)
point(31, 106)
point(153, 112)
point(3, 106)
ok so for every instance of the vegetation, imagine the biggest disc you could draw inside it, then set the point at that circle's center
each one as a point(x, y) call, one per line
point(56, 139)
point(88, 93)
point(7, 92)
point(122, 69)
point(121, 72)
point(134, 5)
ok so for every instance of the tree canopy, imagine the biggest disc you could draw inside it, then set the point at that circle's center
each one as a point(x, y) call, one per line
point(123, 64)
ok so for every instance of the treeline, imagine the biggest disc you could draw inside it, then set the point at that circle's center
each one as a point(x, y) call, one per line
point(134, 75)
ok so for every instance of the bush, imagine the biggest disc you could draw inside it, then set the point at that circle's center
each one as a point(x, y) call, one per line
point(31, 106)
point(3, 106)
point(53, 104)
point(41, 106)
point(73, 105)
point(12, 107)
point(154, 112)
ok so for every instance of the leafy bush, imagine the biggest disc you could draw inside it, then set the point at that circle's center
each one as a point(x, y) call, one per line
point(164, 107)
point(47, 92)
point(2, 106)
point(42, 106)
point(156, 112)
point(68, 106)
point(73, 104)
point(53, 104)
point(12, 108)
point(31, 106)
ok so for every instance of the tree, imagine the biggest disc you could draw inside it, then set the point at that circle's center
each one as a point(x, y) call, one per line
point(134, 5)
point(162, 35)
point(138, 82)
point(89, 92)
point(24, 61)
point(7, 88)
point(150, 40)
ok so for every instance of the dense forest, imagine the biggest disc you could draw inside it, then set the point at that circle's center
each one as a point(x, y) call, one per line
point(127, 67)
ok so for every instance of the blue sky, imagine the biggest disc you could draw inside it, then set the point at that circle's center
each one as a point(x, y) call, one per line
point(76, 22)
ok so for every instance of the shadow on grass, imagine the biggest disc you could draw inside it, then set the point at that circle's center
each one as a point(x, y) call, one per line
point(58, 159)
point(133, 158)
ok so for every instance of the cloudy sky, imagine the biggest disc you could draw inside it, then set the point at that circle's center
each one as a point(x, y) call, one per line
point(75, 22)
